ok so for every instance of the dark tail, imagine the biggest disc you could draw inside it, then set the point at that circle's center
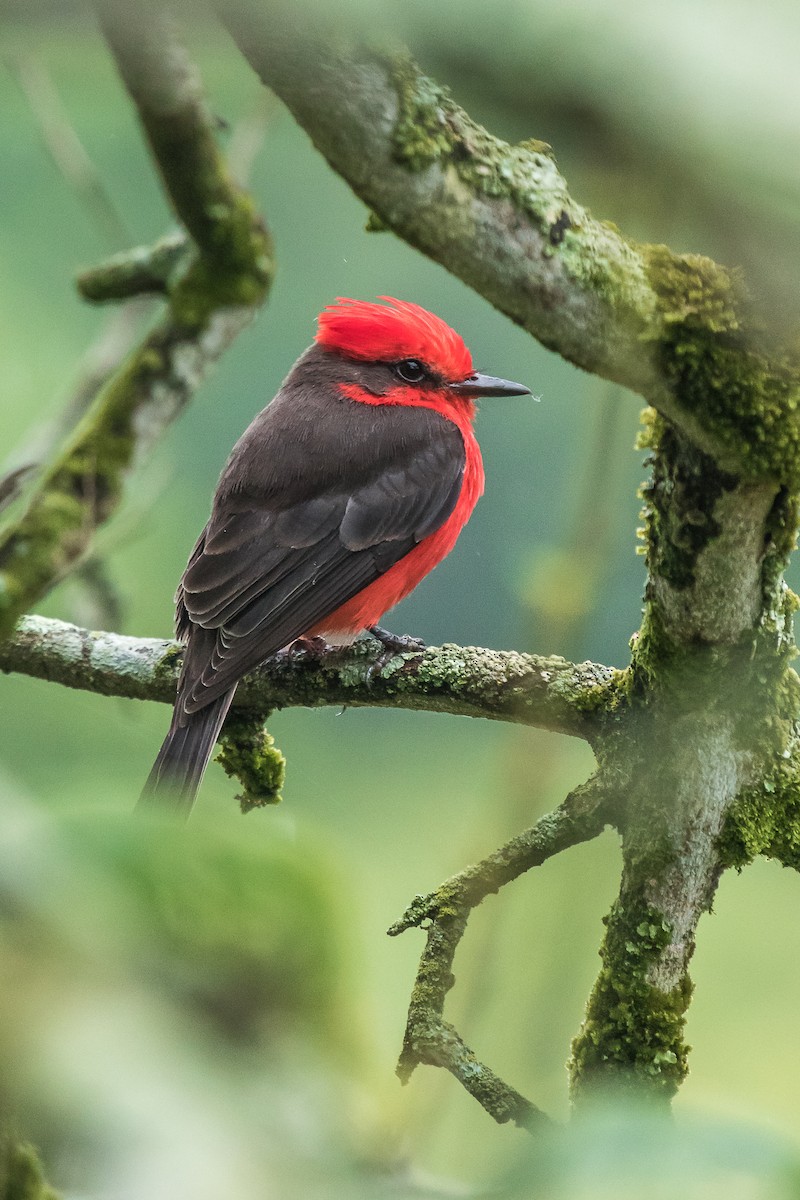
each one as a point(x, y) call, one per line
point(183, 758)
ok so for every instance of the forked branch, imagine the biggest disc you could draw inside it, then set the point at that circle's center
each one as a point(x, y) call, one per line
point(214, 298)
point(444, 913)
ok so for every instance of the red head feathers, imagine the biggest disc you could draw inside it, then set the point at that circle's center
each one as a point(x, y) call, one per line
point(391, 332)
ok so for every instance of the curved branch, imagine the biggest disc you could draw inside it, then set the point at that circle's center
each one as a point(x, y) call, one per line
point(498, 216)
point(582, 816)
point(678, 329)
point(225, 281)
point(548, 693)
point(429, 1039)
point(144, 270)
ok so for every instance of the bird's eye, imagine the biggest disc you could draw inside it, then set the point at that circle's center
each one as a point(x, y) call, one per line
point(410, 370)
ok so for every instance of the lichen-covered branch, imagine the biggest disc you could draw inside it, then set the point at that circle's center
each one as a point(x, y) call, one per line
point(209, 303)
point(678, 329)
point(549, 693)
point(166, 89)
point(498, 216)
point(144, 270)
point(582, 816)
point(711, 748)
point(429, 1038)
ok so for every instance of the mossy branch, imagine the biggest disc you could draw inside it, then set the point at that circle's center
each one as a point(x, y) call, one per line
point(167, 93)
point(210, 301)
point(499, 216)
point(677, 329)
point(429, 1038)
point(548, 693)
point(144, 270)
point(581, 817)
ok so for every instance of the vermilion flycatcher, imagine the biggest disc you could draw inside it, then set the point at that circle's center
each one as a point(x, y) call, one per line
point(341, 495)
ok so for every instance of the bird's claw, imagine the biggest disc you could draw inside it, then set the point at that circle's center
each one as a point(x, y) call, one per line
point(393, 644)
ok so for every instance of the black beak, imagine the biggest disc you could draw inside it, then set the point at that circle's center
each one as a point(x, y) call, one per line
point(487, 385)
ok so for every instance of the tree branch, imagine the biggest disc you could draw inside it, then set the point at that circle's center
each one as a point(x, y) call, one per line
point(678, 329)
point(527, 689)
point(144, 270)
point(429, 1038)
point(498, 216)
point(179, 128)
point(211, 302)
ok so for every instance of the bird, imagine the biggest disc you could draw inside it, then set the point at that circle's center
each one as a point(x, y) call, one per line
point(340, 496)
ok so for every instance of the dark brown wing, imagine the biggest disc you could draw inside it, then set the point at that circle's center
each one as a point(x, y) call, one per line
point(263, 574)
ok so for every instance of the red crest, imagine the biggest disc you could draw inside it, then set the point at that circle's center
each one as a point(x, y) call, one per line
point(392, 331)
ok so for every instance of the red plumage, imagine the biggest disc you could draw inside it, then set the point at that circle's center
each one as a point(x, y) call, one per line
point(337, 500)
point(370, 605)
point(395, 330)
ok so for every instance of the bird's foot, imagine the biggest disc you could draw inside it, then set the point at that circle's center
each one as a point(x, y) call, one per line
point(397, 643)
point(393, 644)
point(300, 648)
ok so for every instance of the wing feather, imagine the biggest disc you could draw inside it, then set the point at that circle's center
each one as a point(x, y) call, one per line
point(263, 574)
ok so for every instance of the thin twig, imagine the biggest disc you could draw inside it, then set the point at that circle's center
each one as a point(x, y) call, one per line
point(429, 1038)
point(582, 816)
point(65, 147)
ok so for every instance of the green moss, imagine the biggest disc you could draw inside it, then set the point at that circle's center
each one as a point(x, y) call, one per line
point(610, 696)
point(375, 224)
point(679, 504)
point(167, 669)
point(421, 132)
point(84, 484)
point(751, 681)
point(208, 285)
point(431, 127)
point(746, 396)
point(448, 670)
point(237, 274)
point(632, 1036)
point(655, 655)
point(781, 541)
point(651, 429)
point(766, 818)
point(536, 146)
point(249, 754)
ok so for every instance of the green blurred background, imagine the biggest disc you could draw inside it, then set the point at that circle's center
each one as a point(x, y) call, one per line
point(219, 1010)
